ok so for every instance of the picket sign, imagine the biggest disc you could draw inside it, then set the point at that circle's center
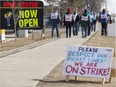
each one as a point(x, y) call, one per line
point(88, 61)
point(103, 79)
point(110, 80)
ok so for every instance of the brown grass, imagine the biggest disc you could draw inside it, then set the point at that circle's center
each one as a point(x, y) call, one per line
point(9, 45)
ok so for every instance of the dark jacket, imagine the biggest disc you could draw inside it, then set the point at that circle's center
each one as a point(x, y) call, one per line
point(68, 22)
point(103, 20)
point(85, 23)
point(55, 21)
point(77, 18)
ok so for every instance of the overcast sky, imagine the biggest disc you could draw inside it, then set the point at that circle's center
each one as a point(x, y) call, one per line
point(111, 5)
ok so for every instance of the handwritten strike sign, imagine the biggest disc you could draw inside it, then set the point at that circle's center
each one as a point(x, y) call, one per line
point(29, 14)
point(88, 61)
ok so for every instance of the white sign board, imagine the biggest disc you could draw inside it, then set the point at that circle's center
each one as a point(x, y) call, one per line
point(88, 61)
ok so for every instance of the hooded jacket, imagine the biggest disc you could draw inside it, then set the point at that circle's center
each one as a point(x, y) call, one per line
point(103, 17)
point(85, 20)
point(56, 20)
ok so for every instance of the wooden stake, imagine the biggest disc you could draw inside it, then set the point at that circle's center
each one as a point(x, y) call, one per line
point(110, 80)
point(1, 41)
point(103, 81)
point(32, 34)
point(75, 77)
point(67, 78)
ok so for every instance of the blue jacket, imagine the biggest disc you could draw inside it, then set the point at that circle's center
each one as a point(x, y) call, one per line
point(55, 21)
point(88, 12)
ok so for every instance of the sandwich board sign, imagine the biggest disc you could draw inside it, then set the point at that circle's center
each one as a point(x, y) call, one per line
point(30, 15)
point(88, 61)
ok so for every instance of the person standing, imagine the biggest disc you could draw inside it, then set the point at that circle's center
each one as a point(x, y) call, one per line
point(76, 24)
point(103, 18)
point(90, 25)
point(85, 20)
point(55, 20)
point(68, 20)
point(94, 21)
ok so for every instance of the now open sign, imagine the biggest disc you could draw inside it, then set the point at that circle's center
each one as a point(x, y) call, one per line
point(28, 14)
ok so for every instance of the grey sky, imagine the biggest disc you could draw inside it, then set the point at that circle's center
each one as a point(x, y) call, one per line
point(111, 5)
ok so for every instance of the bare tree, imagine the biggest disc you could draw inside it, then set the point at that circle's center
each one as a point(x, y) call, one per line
point(93, 5)
point(52, 3)
point(74, 4)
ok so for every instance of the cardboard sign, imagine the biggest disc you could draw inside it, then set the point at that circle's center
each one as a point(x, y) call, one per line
point(29, 14)
point(88, 61)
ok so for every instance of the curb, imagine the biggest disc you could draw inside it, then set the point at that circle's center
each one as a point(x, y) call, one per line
point(33, 45)
point(90, 37)
point(27, 47)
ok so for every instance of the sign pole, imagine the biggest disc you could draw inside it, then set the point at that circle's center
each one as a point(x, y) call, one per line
point(16, 17)
point(76, 78)
point(43, 33)
point(67, 78)
point(15, 33)
point(110, 80)
point(103, 81)
point(1, 41)
point(14, 22)
point(32, 35)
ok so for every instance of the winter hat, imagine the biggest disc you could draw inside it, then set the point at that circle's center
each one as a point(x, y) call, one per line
point(104, 10)
point(68, 9)
point(85, 11)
